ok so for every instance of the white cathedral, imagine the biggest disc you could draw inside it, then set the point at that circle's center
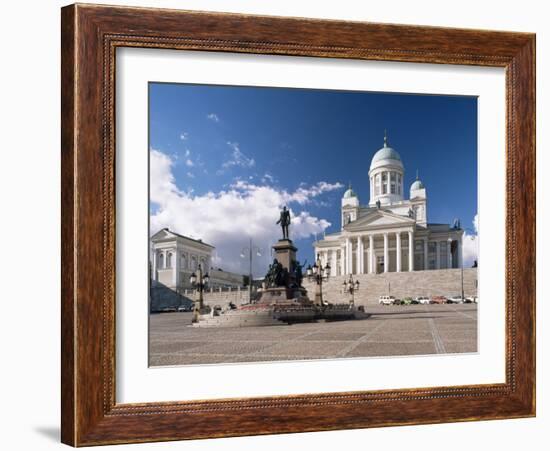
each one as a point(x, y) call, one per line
point(391, 233)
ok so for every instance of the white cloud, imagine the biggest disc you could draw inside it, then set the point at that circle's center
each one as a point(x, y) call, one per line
point(184, 136)
point(228, 218)
point(188, 161)
point(213, 117)
point(190, 175)
point(470, 245)
point(238, 158)
point(268, 178)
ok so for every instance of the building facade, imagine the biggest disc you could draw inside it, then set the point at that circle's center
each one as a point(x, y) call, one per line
point(391, 233)
point(174, 258)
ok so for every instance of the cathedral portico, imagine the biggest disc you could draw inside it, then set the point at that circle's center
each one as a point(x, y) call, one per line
point(391, 233)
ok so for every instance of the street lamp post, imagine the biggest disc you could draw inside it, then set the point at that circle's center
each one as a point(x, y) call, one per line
point(250, 251)
point(318, 274)
point(350, 286)
point(473, 232)
point(199, 282)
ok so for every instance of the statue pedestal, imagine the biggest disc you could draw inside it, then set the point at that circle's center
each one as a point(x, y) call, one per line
point(285, 253)
point(288, 287)
point(282, 295)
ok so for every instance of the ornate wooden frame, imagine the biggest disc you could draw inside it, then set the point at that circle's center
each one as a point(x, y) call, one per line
point(90, 35)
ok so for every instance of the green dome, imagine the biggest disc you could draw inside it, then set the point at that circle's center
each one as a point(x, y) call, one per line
point(417, 184)
point(386, 153)
point(349, 193)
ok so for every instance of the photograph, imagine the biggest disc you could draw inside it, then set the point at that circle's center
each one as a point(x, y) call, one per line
point(294, 224)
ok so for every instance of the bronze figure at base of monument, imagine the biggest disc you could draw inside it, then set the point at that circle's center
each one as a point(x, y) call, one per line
point(283, 281)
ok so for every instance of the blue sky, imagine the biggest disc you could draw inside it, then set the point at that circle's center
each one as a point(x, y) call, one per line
point(241, 150)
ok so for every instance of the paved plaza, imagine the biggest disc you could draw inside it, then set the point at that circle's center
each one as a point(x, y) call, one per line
point(390, 331)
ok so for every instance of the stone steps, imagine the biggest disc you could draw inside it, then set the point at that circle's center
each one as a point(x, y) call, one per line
point(443, 282)
point(240, 318)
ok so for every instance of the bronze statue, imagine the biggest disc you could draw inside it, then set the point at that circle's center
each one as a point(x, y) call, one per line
point(298, 272)
point(275, 276)
point(284, 220)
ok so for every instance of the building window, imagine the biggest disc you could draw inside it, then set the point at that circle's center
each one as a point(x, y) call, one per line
point(399, 184)
point(160, 261)
point(193, 263)
point(377, 184)
point(183, 261)
point(393, 182)
point(384, 183)
point(169, 260)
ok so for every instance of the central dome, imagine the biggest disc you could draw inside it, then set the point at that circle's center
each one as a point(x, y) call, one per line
point(386, 156)
point(386, 153)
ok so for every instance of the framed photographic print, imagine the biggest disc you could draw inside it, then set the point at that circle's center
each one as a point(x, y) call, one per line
point(278, 225)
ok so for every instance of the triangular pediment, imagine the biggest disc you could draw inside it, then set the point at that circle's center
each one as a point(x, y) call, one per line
point(163, 234)
point(379, 219)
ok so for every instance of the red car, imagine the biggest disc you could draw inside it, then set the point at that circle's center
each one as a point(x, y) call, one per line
point(438, 300)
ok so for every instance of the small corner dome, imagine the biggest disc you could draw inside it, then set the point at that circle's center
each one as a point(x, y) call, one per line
point(349, 193)
point(417, 184)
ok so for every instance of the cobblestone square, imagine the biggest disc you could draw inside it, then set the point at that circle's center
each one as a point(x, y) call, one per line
point(390, 331)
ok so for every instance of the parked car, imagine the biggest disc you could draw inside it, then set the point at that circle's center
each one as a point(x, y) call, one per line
point(386, 300)
point(438, 300)
point(457, 299)
point(169, 310)
point(407, 301)
point(422, 300)
point(185, 308)
point(471, 299)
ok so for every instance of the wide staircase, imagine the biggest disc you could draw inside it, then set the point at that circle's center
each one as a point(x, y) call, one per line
point(240, 318)
point(443, 282)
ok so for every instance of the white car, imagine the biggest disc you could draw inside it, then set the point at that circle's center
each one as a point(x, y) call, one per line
point(472, 299)
point(456, 300)
point(422, 299)
point(386, 300)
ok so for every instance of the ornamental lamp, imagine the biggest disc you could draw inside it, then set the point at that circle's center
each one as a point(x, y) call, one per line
point(193, 278)
point(206, 279)
point(309, 271)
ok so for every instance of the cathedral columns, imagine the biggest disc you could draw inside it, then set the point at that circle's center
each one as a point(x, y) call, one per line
point(411, 251)
point(371, 254)
point(459, 249)
point(348, 257)
point(358, 256)
point(437, 256)
point(333, 262)
point(342, 260)
point(155, 263)
point(425, 253)
point(386, 253)
point(398, 251)
point(449, 256)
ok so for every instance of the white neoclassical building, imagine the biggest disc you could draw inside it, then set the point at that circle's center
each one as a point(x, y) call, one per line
point(391, 233)
point(175, 257)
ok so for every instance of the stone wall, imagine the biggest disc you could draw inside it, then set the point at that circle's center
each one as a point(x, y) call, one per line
point(443, 282)
point(163, 297)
